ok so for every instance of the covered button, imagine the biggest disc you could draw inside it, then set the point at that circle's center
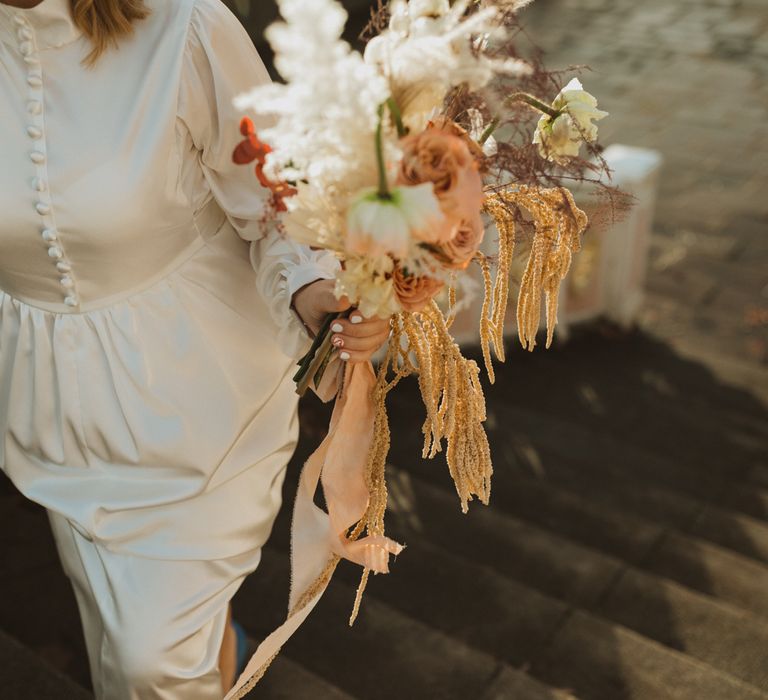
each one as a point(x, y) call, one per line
point(66, 281)
point(37, 157)
point(63, 266)
point(34, 107)
point(34, 132)
point(34, 81)
point(26, 48)
point(55, 252)
point(43, 208)
point(70, 300)
point(49, 235)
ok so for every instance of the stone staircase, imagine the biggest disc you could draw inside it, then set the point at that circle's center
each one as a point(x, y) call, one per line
point(624, 553)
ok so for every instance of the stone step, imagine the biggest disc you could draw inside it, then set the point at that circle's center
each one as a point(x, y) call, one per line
point(723, 636)
point(458, 572)
point(711, 631)
point(603, 483)
point(385, 654)
point(523, 439)
point(25, 676)
point(477, 606)
point(588, 380)
point(711, 569)
point(288, 680)
point(748, 498)
point(546, 549)
point(629, 521)
point(603, 661)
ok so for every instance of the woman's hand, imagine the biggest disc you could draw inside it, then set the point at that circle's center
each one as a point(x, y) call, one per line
point(356, 338)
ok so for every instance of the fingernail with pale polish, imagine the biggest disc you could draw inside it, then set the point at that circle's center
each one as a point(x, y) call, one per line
point(344, 356)
point(356, 319)
point(338, 342)
point(337, 327)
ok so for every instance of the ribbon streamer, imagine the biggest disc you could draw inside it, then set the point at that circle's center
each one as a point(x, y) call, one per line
point(319, 539)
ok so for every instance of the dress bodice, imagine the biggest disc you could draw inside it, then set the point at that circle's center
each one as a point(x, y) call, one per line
point(101, 186)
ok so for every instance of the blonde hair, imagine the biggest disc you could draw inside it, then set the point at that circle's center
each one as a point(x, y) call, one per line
point(105, 22)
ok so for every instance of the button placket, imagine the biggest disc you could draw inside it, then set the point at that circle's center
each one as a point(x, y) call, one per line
point(38, 156)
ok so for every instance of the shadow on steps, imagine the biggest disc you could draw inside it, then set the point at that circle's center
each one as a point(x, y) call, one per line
point(578, 573)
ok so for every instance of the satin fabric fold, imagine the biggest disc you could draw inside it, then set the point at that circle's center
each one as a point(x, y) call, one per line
point(339, 463)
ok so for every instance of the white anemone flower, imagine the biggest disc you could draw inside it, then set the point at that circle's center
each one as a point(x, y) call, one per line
point(379, 225)
point(559, 138)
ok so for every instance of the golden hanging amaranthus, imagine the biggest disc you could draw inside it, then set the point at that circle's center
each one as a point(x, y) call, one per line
point(449, 382)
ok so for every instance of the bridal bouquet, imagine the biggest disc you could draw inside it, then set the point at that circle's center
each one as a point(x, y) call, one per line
point(400, 161)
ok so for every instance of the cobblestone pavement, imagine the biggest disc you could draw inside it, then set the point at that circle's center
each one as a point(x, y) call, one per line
point(690, 79)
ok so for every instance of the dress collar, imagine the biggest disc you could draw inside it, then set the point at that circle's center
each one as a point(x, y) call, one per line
point(50, 21)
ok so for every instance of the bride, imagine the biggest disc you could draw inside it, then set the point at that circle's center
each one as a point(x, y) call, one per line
point(149, 326)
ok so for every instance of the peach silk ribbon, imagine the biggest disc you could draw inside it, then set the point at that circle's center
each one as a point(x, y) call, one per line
point(339, 464)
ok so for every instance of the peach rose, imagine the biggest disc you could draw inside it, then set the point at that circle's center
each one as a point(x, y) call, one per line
point(444, 159)
point(458, 252)
point(414, 292)
point(453, 128)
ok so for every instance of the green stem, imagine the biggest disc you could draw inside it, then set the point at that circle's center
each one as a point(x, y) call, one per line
point(489, 130)
point(383, 187)
point(530, 100)
point(394, 110)
point(534, 102)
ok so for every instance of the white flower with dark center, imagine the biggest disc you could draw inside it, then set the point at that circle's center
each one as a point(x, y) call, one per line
point(379, 225)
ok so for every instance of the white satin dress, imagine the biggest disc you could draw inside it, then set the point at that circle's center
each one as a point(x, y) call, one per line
point(146, 339)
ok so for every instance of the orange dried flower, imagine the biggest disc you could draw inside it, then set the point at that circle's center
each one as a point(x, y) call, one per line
point(252, 148)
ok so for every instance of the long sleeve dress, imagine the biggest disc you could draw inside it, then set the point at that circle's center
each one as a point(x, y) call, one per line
point(146, 339)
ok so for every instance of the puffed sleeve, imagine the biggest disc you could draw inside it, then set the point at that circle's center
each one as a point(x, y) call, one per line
point(219, 63)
